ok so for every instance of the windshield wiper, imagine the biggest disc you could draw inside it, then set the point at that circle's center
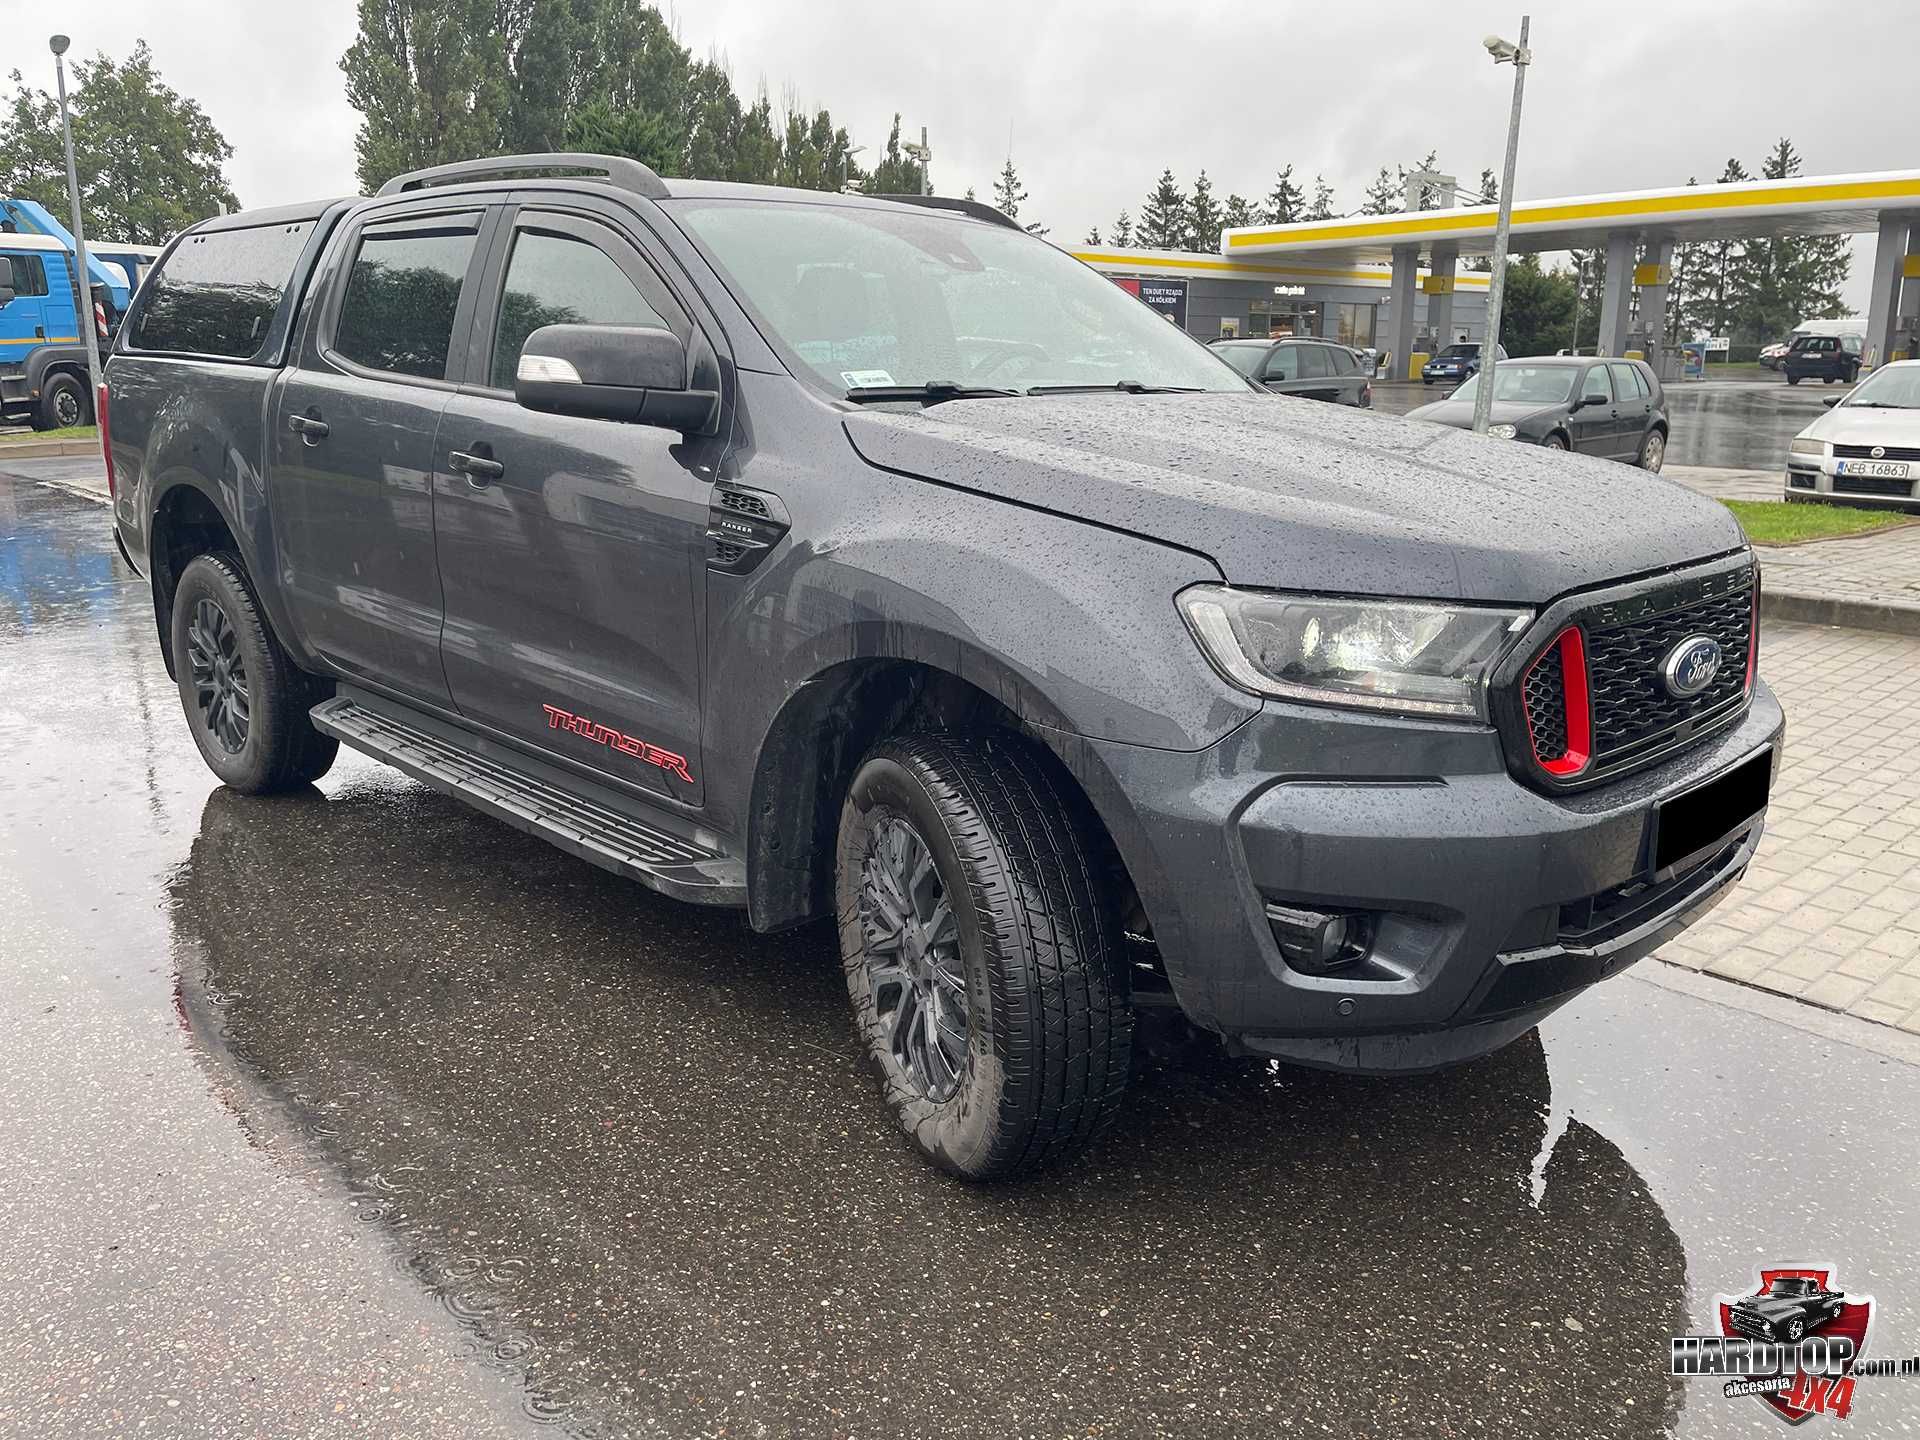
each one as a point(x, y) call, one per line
point(1129, 387)
point(1878, 405)
point(931, 393)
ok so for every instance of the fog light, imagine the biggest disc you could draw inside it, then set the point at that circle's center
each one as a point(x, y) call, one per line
point(1318, 941)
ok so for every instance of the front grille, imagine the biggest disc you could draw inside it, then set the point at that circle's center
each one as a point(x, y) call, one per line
point(1887, 452)
point(1629, 717)
point(1632, 711)
point(1871, 485)
point(1749, 1324)
point(1545, 693)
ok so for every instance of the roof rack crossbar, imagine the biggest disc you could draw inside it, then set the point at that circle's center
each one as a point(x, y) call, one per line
point(615, 169)
point(979, 210)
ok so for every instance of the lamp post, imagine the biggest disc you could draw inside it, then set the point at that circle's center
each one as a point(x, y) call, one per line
point(83, 284)
point(923, 153)
point(1518, 56)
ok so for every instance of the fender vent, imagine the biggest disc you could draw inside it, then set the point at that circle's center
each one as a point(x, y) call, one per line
point(742, 526)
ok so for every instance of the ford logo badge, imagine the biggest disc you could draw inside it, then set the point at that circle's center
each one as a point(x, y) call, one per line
point(1690, 666)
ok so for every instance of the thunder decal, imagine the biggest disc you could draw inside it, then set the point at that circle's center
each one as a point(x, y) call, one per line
point(558, 719)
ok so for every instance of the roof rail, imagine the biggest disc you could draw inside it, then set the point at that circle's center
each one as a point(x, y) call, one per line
point(615, 169)
point(975, 208)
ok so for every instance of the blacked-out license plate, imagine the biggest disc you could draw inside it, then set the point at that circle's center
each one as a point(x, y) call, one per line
point(1694, 821)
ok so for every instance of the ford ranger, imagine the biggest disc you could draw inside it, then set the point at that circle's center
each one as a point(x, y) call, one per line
point(858, 557)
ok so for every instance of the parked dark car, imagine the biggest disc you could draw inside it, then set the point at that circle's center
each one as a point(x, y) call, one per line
point(1790, 1308)
point(870, 561)
point(1456, 362)
point(1309, 369)
point(1822, 357)
point(1615, 409)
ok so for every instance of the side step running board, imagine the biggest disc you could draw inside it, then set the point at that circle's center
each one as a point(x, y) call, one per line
point(610, 829)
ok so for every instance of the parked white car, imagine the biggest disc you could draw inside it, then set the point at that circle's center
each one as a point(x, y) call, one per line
point(1866, 449)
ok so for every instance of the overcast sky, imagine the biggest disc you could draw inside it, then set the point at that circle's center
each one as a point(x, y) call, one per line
point(1097, 99)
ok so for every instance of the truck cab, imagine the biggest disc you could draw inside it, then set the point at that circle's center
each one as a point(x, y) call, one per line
point(43, 363)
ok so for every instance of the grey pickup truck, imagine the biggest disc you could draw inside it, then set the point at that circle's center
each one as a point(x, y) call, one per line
point(867, 558)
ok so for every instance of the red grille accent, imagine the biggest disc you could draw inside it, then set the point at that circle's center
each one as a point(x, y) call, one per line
point(1569, 649)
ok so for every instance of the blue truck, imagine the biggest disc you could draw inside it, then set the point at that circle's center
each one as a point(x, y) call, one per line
point(43, 360)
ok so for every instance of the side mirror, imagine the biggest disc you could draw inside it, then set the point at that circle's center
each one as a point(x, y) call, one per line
point(634, 373)
point(1832, 400)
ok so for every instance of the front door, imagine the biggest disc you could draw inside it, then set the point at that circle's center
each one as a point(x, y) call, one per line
point(351, 454)
point(1591, 424)
point(569, 556)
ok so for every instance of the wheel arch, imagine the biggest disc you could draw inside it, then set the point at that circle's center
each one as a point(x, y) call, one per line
point(818, 737)
point(187, 521)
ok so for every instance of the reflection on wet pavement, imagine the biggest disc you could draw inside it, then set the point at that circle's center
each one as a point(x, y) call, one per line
point(628, 1149)
point(686, 1181)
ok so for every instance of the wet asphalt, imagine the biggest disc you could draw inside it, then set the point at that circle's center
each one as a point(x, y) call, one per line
point(355, 1113)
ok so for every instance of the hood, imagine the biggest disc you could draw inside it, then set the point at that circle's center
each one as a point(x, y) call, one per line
point(1505, 412)
point(1857, 425)
point(1769, 1307)
point(1295, 494)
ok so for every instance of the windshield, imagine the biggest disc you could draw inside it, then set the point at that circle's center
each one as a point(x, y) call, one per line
point(1528, 384)
point(1791, 1285)
point(1244, 358)
point(1460, 352)
point(869, 298)
point(1897, 387)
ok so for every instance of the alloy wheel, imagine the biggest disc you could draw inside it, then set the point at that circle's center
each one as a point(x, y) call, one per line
point(914, 969)
point(1656, 451)
point(219, 676)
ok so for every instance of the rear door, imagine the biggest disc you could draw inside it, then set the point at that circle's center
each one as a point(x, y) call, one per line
point(1591, 425)
point(570, 568)
point(1632, 401)
point(353, 430)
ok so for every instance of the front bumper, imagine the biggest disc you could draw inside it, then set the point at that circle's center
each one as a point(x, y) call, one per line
point(1815, 477)
point(1494, 903)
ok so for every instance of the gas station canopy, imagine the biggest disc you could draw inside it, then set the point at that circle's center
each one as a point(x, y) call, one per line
point(1818, 205)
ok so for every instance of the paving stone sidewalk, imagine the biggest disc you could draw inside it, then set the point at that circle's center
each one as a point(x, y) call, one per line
point(1829, 911)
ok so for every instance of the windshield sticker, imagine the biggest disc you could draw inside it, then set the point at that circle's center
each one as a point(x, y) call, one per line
point(865, 379)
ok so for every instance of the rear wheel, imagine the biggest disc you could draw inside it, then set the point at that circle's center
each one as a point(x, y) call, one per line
point(982, 952)
point(63, 403)
point(1653, 451)
point(246, 702)
point(1792, 379)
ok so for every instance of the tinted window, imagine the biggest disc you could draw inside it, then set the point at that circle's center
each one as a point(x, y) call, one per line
point(1596, 383)
point(1345, 362)
point(397, 314)
point(1244, 358)
point(219, 291)
point(1626, 381)
point(1315, 362)
point(555, 279)
point(1283, 364)
point(29, 274)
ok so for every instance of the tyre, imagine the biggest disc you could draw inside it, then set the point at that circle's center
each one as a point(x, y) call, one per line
point(1793, 379)
point(982, 952)
point(63, 403)
point(246, 702)
point(1554, 442)
point(1653, 451)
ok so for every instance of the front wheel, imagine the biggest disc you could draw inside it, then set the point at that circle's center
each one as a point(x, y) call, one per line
point(1653, 451)
point(246, 701)
point(63, 404)
point(1793, 379)
point(982, 952)
point(1555, 442)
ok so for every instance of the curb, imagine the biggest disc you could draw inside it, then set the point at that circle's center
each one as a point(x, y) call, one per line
point(40, 449)
point(1889, 617)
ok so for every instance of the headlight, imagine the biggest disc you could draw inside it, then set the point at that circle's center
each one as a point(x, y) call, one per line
point(1500, 432)
point(1401, 655)
point(1807, 447)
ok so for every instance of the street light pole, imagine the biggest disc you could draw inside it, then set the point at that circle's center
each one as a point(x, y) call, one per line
point(83, 287)
point(1519, 57)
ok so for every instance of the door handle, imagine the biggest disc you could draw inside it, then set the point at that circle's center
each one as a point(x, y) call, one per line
point(479, 469)
point(311, 427)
